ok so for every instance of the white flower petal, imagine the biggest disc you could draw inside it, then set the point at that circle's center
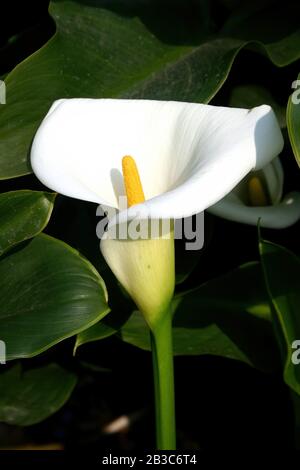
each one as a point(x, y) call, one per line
point(281, 215)
point(189, 155)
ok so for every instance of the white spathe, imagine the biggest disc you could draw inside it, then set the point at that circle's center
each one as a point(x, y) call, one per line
point(146, 270)
point(281, 212)
point(189, 155)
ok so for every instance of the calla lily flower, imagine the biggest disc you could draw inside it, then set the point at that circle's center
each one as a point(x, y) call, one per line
point(189, 156)
point(259, 197)
point(171, 160)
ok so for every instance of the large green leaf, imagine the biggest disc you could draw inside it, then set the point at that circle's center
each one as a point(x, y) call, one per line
point(282, 275)
point(293, 120)
point(23, 214)
point(29, 397)
point(249, 96)
point(121, 49)
point(121, 308)
point(48, 293)
point(228, 317)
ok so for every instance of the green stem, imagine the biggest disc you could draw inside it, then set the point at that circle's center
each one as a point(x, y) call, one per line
point(162, 355)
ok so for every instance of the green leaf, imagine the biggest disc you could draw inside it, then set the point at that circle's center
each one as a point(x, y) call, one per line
point(293, 121)
point(282, 275)
point(97, 332)
point(48, 293)
point(23, 214)
point(271, 28)
point(249, 96)
point(29, 397)
point(130, 50)
point(228, 317)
